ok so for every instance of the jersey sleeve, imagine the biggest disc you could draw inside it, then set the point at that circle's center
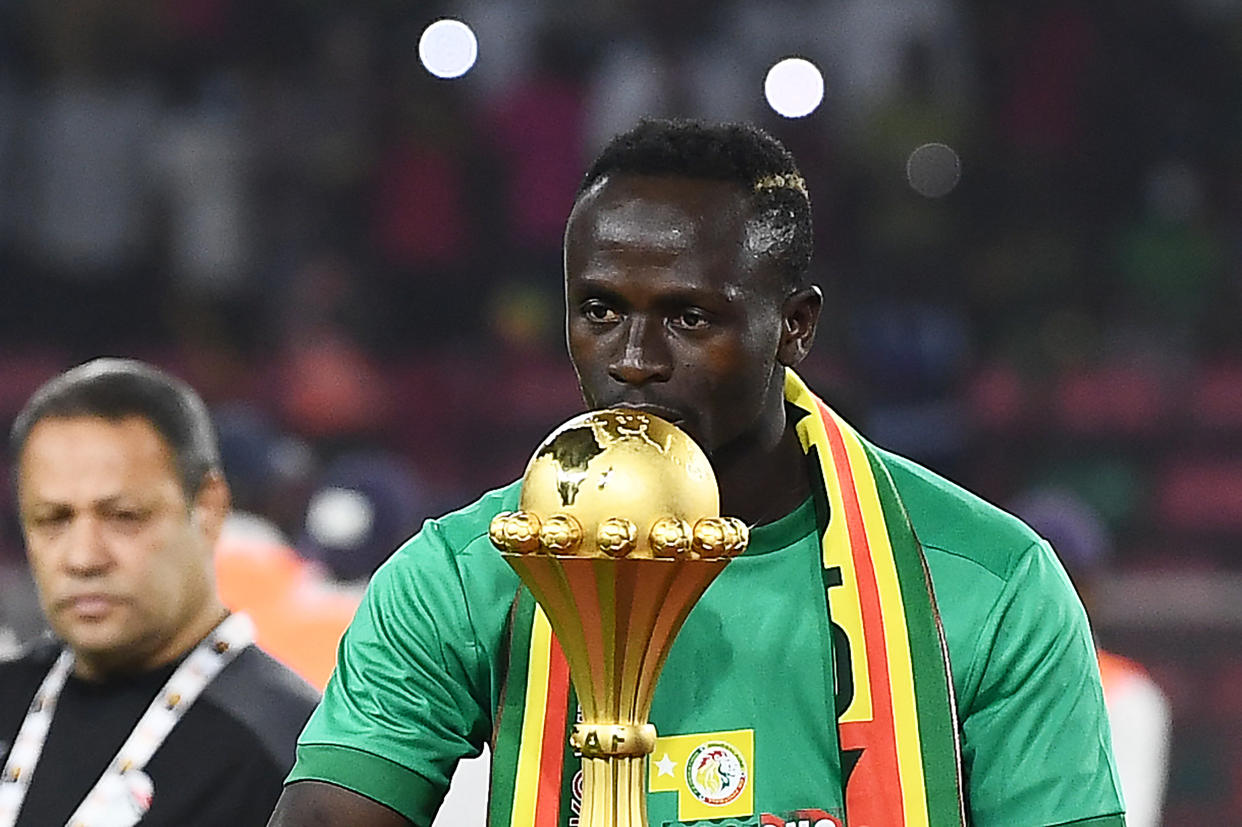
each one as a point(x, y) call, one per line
point(408, 697)
point(1036, 748)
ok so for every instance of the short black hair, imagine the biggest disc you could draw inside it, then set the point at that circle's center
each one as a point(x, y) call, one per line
point(780, 225)
point(116, 389)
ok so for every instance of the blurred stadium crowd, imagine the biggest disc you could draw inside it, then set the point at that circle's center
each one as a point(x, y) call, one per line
point(357, 263)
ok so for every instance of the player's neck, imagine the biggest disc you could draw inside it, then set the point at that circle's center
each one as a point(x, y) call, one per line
point(764, 481)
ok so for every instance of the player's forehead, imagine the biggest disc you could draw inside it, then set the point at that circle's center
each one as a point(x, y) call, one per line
point(677, 211)
point(699, 228)
point(664, 217)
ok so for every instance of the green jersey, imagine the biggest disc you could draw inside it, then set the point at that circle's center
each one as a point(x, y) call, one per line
point(745, 703)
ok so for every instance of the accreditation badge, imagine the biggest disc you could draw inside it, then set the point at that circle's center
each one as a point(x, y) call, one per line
point(119, 800)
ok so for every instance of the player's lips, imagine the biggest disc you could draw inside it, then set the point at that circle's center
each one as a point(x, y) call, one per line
point(667, 414)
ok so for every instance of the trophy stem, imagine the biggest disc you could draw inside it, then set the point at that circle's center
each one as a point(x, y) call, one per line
point(614, 791)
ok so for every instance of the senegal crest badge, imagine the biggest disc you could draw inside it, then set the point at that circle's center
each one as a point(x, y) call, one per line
point(712, 773)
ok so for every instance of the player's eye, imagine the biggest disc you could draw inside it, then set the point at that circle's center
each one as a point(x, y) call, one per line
point(691, 319)
point(597, 311)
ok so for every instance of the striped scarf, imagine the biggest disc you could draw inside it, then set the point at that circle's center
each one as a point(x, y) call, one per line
point(899, 746)
point(897, 729)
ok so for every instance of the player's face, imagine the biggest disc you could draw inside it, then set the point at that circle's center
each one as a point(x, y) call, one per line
point(666, 309)
point(121, 560)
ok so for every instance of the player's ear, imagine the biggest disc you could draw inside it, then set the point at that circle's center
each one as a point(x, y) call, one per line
point(799, 318)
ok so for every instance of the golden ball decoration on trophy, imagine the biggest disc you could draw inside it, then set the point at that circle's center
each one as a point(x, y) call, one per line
point(617, 536)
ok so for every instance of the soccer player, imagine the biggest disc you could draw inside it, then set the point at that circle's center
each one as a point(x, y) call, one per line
point(825, 677)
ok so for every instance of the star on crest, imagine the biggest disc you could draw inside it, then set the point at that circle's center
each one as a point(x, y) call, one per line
point(665, 765)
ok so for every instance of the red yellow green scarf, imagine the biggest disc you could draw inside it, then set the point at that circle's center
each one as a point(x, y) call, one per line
point(897, 727)
point(896, 720)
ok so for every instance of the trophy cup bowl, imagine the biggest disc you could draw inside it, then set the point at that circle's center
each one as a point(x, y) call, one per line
point(618, 535)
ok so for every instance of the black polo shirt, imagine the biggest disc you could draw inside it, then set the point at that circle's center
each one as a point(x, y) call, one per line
point(222, 765)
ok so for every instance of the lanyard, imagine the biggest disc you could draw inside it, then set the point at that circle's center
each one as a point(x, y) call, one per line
point(123, 793)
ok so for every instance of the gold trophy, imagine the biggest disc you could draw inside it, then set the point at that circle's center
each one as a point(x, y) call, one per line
point(618, 535)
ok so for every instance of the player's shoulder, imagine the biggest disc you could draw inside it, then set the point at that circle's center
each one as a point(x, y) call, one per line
point(459, 529)
point(950, 520)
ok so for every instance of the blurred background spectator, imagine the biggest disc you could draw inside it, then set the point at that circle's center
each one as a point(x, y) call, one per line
point(1028, 226)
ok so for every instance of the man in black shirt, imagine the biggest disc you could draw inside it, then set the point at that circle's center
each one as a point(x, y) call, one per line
point(152, 706)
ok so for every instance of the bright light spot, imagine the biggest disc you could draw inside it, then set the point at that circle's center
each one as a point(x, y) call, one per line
point(339, 518)
point(794, 87)
point(448, 48)
point(933, 170)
